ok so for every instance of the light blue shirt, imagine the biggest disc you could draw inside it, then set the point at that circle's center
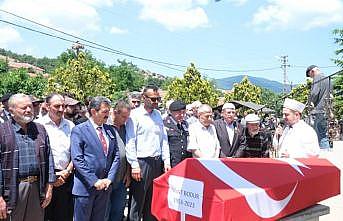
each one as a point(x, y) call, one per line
point(146, 136)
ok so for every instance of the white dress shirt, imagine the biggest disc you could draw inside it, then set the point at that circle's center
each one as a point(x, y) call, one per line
point(59, 137)
point(146, 136)
point(204, 139)
point(230, 131)
point(299, 141)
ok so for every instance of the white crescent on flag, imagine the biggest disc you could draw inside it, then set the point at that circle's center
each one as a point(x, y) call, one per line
point(257, 198)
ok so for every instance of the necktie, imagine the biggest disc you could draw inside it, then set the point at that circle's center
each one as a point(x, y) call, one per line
point(102, 140)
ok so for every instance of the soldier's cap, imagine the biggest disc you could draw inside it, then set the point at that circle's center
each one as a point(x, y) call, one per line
point(6, 97)
point(309, 68)
point(68, 101)
point(294, 105)
point(252, 119)
point(35, 99)
point(177, 105)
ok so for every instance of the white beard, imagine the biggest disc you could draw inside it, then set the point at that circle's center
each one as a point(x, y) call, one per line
point(26, 119)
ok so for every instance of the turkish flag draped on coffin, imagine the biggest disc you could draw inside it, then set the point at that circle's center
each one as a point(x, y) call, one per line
point(242, 188)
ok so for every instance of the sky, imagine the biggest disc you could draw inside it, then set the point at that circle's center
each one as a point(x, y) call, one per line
point(222, 38)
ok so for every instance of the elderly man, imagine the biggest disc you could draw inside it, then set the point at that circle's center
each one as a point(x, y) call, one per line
point(298, 139)
point(229, 132)
point(203, 141)
point(195, 115)
point(120, 114)
point(59, 131)
point(258, 141)
point(177, 131)
point(146, 149)
point(27, 168)
point(320, 93)
point(95, 156)
point(135, 99)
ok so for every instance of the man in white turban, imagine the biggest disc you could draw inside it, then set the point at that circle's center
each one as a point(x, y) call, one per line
point(298, 139)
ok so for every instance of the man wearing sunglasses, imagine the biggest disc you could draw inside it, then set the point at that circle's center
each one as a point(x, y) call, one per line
point(146, 149)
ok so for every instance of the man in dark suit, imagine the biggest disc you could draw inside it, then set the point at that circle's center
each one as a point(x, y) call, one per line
point(229, 132)
point(95, 156)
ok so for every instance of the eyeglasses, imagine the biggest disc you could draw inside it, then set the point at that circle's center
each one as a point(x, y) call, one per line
point(135, 101)
point(154, 99)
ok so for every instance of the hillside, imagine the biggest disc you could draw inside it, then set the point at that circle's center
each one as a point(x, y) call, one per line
point(227, 83)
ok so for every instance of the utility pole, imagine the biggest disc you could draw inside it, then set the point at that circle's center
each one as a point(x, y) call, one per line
point(284, 66)
point(77, 46)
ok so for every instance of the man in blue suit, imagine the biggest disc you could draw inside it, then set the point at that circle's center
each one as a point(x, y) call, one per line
point(95, 156)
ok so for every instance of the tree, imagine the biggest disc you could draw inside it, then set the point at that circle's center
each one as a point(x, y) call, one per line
point(18, 81)
point(81, 77)
point(3, 66)
point(245, 91)
point(338, 80)
point(271, 100)
point(192, 87)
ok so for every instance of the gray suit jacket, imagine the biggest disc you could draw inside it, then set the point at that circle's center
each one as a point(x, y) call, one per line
point(229, 149)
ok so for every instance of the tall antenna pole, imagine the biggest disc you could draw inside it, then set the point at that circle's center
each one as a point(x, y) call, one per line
point(284, 66)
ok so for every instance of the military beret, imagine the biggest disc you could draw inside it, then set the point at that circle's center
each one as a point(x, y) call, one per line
point(177, 105)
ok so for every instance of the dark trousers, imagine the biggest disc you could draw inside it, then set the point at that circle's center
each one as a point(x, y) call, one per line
point(116, 206)
point(28, 206)
point(62, 205)
point(151, 167)
point(92, 207)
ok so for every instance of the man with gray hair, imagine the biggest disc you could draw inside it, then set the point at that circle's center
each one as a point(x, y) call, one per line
point(135, 99)
point(26, 164)
point(94, 153)
point(203, 142)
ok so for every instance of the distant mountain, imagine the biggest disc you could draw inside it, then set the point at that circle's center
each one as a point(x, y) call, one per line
point(227, 83)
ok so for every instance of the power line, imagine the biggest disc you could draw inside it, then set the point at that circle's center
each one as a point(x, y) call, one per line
point(98, 46)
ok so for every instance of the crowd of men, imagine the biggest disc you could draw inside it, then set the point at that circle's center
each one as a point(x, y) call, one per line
point(60, 162)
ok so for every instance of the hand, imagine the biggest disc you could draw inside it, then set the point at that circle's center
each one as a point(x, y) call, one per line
point(99, 185)
point(136, 174)
point(48, 195)
point(107, 183)
point(64, 174)
point(279, 130)
point(3, 208)
point(59, 182)
point(166, 167)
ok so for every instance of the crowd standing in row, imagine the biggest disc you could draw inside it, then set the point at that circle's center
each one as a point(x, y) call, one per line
point(59, 162)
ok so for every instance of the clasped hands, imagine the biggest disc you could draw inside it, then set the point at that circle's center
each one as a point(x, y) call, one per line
point(102, 184)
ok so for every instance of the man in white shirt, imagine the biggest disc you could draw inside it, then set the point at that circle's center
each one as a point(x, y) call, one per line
point(203, 140)
point(59, 131)
point(298, 139)
point(146, 149)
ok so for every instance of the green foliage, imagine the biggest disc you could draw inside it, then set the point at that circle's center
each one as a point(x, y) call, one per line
point(338, 80)
point(126, 77)
point(301, 92)
point(3, 66)
point(81, 77)
point(18, 81)
point(245, 91)
point(271, 100)
point(192, 87)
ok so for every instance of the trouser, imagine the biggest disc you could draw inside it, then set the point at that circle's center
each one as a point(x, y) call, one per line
point(92, 207)
point(116, 206)
point(61, 206)
point(320, 126)
point(151, 167)
point(28, 206)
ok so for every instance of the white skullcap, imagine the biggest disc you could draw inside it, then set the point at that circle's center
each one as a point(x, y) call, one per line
point(196, 104)
point(229, 106)
point(252, 118)
point(189, 107)
point(294, 105)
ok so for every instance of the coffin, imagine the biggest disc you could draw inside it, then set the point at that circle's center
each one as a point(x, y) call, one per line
point(242, 188)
